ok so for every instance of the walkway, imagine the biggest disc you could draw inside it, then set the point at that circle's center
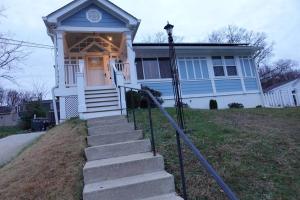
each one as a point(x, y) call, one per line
point(12, 145)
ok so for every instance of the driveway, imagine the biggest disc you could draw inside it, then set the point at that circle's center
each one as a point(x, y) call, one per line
point(12, 145)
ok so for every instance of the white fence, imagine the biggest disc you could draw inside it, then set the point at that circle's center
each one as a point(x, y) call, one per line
point(282, 98)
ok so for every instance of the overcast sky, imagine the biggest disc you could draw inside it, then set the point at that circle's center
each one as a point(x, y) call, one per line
point(193, 19)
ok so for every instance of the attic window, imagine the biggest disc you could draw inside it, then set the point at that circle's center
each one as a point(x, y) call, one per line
point(93, 15)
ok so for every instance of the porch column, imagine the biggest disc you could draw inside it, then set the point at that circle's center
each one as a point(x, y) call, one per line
point(81, 89)
point(60, 59)
point(131, 58)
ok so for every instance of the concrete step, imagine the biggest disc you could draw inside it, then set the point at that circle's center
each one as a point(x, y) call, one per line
point(110, 128)
point(101, 99)
point(103, 109)
point(92, 115)
point(104, 95)
point(131, 188)
point(172, 196)
point(123, 166)
point(102, 91)
point(102, 104)
point(106, 120)
point(117, 149)
point(114, 138)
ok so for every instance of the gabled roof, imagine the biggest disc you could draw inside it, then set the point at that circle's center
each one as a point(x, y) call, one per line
point(53, 18)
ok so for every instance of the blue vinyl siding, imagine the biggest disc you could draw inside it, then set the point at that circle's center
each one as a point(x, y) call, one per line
point(251, 84)
point(164, 87)
point(228, 85)
point(196, 87)
point(79, 19)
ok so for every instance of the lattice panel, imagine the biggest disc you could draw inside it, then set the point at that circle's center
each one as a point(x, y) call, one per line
point(71, 107)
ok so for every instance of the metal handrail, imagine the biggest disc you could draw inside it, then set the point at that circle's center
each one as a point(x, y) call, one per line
point(229, 193)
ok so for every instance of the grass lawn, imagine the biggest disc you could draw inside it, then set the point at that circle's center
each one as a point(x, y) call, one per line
point(256, 151)
point(49, 169)
point(9, 130)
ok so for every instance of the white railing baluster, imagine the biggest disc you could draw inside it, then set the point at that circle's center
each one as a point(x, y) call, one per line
point(70, 74)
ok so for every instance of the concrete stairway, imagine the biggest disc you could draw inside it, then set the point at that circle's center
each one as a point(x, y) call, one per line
point(121, 166)
point(101, 101)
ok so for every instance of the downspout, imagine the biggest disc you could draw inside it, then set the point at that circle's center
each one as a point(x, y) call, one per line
point(56, 81)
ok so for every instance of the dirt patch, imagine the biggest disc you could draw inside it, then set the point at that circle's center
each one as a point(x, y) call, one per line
point(49, 169)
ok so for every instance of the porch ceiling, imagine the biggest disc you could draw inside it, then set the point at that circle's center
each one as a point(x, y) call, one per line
point(73, 38)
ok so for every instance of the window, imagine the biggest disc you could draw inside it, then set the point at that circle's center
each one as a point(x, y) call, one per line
point(153, 68)
point(192, 68)
point(230, 66)
point(164, 67)
point(247, 66)
point(139, 69)
point(218, 66)
point(182, 69)
point(224, 66)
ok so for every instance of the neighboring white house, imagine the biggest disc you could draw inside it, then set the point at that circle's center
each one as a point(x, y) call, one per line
point(283, 95)
point(95, 53)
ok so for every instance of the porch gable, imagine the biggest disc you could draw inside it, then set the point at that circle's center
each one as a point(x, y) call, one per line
point(80, 19)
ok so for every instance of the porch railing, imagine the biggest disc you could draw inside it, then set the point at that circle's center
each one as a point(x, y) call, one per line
point(125, 69)
point(70, 74)
point(180, 136)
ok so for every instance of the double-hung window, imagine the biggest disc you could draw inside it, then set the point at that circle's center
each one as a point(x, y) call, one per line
point(224, 66)
point(192, 68)
point(153, 68)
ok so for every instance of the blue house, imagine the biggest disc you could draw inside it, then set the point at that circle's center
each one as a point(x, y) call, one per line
point(95, 54)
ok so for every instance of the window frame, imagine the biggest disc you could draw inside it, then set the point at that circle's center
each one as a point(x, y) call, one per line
point(193, 59)
point(224, 66)
point(158, 65)
point(242, 63)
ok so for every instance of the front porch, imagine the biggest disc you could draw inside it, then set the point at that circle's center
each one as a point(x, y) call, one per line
point(94, 65)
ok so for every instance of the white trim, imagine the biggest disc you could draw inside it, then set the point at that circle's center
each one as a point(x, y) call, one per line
point(92, 29)
point(53, 17)
point(88, 17)
point(211, 95)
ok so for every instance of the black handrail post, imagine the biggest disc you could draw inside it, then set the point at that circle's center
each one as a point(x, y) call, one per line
point(127, 116)
point(151, 127)
point(181, 165)
point(133, 108)
point(120, 94)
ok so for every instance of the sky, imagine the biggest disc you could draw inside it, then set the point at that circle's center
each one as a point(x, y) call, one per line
point(193, 19)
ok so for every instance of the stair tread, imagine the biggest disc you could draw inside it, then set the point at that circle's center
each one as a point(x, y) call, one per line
point(116, 183)
point(120, 159)
point(118, 143)
point(172, 196)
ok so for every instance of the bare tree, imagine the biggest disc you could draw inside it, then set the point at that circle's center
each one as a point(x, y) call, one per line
point(2, 96)
point(11, 54)
point(234, 34)
point(13, 98)
point(281, 71)
point(40, 90)
point(160, 37)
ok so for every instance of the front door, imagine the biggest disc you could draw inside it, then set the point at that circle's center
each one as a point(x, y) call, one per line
point(95, 71)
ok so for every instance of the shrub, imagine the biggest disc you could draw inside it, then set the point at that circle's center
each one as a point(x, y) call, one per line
point(235, 105)
point(155, 93)
point(31, 108)
point(132, 99)
point(259, 106)
point(213, 104)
